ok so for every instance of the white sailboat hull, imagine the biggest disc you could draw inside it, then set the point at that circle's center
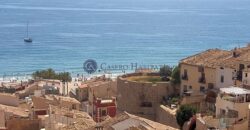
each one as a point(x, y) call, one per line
point(27, 40)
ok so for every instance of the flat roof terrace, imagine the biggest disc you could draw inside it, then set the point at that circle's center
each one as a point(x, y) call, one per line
point(144, 78)
point(235, 90)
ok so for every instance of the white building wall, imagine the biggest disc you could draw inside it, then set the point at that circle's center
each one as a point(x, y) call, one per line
point(241, 108)
point(246, 77)
point(228, 75)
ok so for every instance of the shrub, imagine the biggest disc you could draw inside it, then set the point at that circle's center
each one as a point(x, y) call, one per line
point(184, 113)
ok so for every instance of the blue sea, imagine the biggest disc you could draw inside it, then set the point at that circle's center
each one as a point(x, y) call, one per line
point(116, 32)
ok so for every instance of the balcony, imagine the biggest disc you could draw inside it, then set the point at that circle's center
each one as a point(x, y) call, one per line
point(239, 75)
point(184, 77)
point(202, 80)
point(239, 99)
point(192, 99)
point(210, 86)
point(231, 103)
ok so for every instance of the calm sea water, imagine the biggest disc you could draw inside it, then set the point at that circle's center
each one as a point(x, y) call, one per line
point(67, 32)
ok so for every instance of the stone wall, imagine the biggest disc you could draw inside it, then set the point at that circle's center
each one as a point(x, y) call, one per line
point(166, 116)
point(23, 124)
point(8, 99)
point(141, 98)
point(56, 122)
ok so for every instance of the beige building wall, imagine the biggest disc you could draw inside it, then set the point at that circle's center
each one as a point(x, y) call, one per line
point(57, 122)
point(106, 89)
point(70, 105)
point(23, 124)
point(2, 119)
point(227, 74)
point(246, 77)
point(242, 126)
point(103, 90)
point(56, 83)
point(10, 100)
point(132, 94)
point(193, 74)
point(166, 116)
point(242, 108)
point(203, 123)
point(197, 101)
point(82, 93)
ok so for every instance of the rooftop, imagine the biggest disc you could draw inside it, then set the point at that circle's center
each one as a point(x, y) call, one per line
point(83, 86)
point(51, 80)
point(126, 121)
point(81, 119)
point(15, 110)
point(66, 99)
point(145, 78)
point(169, 110)
point(97, 83)
point(235, 90)
point(216, 57)
point(44, 102)
point(8, 95)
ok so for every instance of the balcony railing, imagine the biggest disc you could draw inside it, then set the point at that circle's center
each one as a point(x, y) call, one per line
point(233, 99)
point(239, 75)
point(202, 80)
point(184, 77)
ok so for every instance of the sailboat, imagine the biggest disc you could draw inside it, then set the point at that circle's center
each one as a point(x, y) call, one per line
point(27, 38)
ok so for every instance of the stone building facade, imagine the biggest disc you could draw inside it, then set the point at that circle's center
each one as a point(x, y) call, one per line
point(141, 98)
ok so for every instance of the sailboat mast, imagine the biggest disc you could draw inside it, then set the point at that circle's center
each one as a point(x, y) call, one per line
point(27, 30)
point(27, 38)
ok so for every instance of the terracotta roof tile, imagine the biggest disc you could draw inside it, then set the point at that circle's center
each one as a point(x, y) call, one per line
point(107, 124)
point(216, 57)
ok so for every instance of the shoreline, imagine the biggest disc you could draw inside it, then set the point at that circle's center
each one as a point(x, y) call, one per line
point(27, 77)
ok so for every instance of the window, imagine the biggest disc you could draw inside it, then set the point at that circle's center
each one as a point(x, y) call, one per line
point(202, 88)
point(222, 79)
point(203, 75)
point(104, 113)
point(222, 112)
point(234, 75)
point(232, 114)
point(185, 88)
point(185, 71)
point(245, 74)
point(185, 76)
point(241, 67)
point(190, 87)
point(202, 79)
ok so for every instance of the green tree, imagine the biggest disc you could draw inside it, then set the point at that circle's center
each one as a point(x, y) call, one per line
point(175, 76)
point(51, 74)
point(184, 113)
point(64, 76)
point(165, 72)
